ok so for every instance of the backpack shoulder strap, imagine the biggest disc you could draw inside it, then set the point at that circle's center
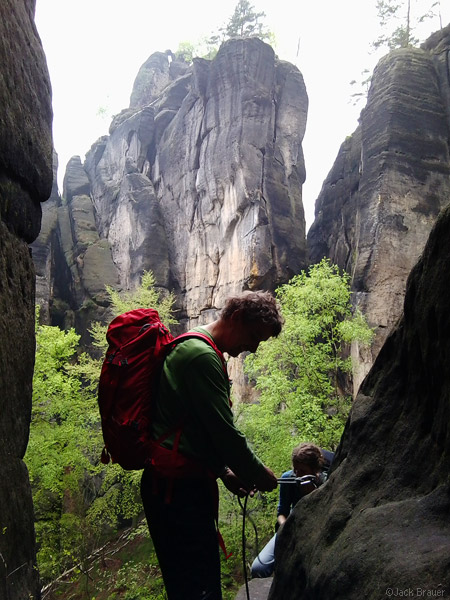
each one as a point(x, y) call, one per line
point(205, 338)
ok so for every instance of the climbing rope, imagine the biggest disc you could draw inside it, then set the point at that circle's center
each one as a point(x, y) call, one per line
point(244, 560)
point(304, 480)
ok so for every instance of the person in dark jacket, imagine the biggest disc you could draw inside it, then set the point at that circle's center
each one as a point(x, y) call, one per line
point(194, 428)
point(307, 459)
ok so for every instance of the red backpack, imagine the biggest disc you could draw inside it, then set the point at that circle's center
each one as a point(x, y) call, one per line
point(138, 343)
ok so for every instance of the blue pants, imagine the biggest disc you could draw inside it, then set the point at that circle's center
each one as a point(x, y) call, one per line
point(264, 563)
point(184, 536)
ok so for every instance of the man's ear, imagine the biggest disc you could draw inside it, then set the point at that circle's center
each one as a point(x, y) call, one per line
point(236, 317)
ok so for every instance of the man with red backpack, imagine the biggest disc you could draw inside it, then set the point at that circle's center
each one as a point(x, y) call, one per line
point(196, 441)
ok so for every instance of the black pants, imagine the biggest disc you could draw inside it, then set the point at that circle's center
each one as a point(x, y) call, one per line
point(184, 536)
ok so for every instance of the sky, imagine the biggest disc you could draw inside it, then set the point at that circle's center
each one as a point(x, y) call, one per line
point(94, 49)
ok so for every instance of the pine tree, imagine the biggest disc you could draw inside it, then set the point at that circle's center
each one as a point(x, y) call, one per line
point(245, 22)
point(398, 20)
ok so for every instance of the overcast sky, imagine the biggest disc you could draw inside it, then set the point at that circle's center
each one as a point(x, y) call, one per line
point(95, 48)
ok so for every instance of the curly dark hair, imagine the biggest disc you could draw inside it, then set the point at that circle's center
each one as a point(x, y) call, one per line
point(308, 454)
point(255, 307)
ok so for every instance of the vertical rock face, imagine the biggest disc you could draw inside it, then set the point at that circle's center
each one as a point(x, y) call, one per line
point(199, 180)
point(380, 526)
point(388, 184)
point(25, 181)
point(228, 171)
point(73, 265)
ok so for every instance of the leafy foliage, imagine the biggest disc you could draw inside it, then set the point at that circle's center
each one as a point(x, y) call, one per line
point(400, 36)
point(400, 19)
point(186, 51)
point(145, 295)
point(62, 448)
point(246, 22)
point(401, 26)
point(301, 374)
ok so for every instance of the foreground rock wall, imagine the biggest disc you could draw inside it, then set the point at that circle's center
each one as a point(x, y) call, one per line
point(25, 181)
point(380, 525)
point(388, 184)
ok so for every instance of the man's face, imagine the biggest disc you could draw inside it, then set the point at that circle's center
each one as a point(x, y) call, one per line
point(300, 469)
point(244, 337)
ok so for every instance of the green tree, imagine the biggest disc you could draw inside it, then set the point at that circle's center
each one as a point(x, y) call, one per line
point(401, 35)
point(401, 25)
point(399, 20)
point(301, 374)
point(361, 87)
point(245, 22)
point(186, 51)
point(147, 295)
point(62, 449)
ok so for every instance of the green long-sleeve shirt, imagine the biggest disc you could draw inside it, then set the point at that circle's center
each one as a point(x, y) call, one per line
point(195, 390)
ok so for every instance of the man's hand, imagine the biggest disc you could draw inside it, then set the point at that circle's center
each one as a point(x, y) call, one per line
point(267, 481)
point(235, 485)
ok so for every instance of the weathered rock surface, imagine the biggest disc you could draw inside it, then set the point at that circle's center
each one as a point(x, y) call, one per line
point(25, 181)
point(158, 71)
point(202, 184)
point(388, 184)
point(380, 525)
point(199, 180)
point(73, 264)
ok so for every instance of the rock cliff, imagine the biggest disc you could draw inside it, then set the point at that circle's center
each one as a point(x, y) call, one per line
point(199, 180)
point(25, 182)
point(379, 526)
point(388, 184)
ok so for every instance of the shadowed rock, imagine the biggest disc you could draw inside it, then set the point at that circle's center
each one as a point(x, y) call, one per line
point(25, 182)
point(73, 264)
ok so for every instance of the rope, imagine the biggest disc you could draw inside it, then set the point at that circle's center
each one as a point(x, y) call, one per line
point(306, 479)
point(244, 560)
